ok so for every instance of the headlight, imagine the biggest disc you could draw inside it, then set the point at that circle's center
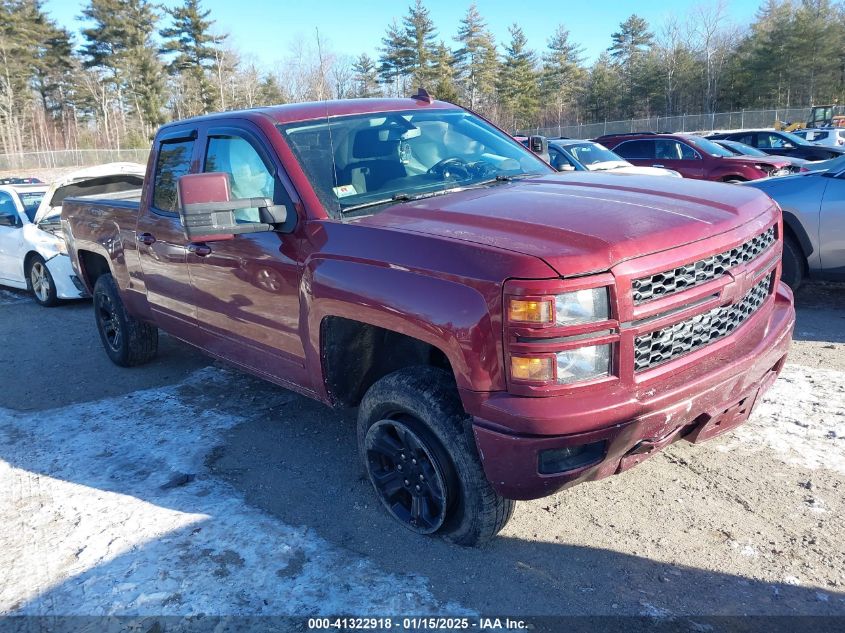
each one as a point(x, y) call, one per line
point(582, 306)
point(569, 308)
point(583, 363)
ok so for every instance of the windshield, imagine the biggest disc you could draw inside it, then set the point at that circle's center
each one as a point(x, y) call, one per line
point(592, 154)
point(364, 160)
point(709, 147)
point(794, 138)
point(30, 201)
point(742, 149)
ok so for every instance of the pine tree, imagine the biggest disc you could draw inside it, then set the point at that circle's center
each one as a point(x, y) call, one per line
point(563, 75)
point(395, 62)
point(443, 74)
point(270, 92)
point(518, 84)
point(476, 62)
point(630, 44)
point(421, 37)
point(365, 77)
point(120, 45)
point(190, 40)
point(603, 89)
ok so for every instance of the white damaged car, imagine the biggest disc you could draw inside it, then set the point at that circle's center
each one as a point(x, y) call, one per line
point(33, 253)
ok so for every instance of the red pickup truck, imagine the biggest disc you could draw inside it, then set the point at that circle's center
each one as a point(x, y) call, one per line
point(505, 331)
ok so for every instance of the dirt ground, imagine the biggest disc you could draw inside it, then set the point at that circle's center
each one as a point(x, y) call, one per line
point(749, 523)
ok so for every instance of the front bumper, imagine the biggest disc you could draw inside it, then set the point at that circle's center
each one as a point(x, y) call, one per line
point(68, 285)
point(712, 395)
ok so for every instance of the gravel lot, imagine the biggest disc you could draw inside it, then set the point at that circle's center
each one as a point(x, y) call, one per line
point(185, 487)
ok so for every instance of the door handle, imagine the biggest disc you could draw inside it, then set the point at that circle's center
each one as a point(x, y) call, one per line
point(663, 166)
point(201, 250)
point(147, 239)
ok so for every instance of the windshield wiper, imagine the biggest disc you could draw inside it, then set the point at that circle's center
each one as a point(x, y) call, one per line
point(409, 197)
point(399, 197)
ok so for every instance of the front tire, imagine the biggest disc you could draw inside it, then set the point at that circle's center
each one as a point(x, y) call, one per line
point(419, 452)
point(41, 283)
point(127, 341)
point(792, 272)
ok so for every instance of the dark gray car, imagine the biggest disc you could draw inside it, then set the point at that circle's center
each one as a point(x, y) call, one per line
point(813, 206)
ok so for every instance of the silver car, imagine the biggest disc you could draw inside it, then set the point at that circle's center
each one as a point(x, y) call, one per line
point(813, 206)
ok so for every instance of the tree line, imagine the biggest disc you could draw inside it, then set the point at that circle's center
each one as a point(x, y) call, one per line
point(137, 65)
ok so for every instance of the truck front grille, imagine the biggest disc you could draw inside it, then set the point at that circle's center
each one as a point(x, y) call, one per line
point(661, 346)
point(689, 275)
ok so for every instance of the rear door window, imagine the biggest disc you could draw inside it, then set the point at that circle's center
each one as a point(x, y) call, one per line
point(641, 149)
point(174, 161)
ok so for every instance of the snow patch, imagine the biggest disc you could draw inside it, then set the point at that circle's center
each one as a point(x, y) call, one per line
point(107, 508)
point(802, 418)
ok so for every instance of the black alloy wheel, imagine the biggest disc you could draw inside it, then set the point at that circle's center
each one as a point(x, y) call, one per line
point(407, 473)
point(108, 320)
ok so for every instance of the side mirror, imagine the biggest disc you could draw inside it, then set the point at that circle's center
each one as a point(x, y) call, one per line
point(207, 211)
point(538, 145)
point(9, 219)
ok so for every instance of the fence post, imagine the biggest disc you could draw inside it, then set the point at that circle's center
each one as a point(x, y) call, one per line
point(742, 119)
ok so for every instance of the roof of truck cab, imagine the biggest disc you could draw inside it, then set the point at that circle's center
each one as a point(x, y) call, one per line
point(308, 111)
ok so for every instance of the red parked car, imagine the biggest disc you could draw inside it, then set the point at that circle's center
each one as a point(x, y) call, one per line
point(505, 331)
point(692, 156)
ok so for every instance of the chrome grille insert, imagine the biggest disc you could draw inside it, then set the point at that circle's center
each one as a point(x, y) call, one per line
point(689, 275)
point(661, 346)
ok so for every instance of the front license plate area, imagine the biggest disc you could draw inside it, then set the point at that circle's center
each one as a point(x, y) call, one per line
point(724, 420)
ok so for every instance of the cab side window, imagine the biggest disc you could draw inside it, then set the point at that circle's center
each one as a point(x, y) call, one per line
point(7, 206)
point(174, 161)
point(249, 176)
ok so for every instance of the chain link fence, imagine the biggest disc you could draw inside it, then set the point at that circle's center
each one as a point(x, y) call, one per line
point(685, 123)
point(71, 158)
point(742, 119)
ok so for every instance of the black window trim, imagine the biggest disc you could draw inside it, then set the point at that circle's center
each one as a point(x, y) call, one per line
point(171, 138)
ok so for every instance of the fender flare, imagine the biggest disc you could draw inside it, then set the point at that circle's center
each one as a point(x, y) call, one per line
point(451, 316)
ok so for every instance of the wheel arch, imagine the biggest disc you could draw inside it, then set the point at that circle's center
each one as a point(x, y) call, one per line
point(443, 322)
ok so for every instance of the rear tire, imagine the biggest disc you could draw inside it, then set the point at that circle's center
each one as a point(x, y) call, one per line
point(127, 341)
point(415, 414)
point(792, 273)
point(40, 282)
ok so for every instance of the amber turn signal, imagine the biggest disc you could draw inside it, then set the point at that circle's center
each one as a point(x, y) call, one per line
point(534, 369)
point(531, 311)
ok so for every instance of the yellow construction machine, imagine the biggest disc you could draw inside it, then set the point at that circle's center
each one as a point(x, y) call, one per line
point(820, 116)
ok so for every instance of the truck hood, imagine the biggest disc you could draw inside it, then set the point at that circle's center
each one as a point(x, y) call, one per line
point(111, 177)
point(581, 222)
